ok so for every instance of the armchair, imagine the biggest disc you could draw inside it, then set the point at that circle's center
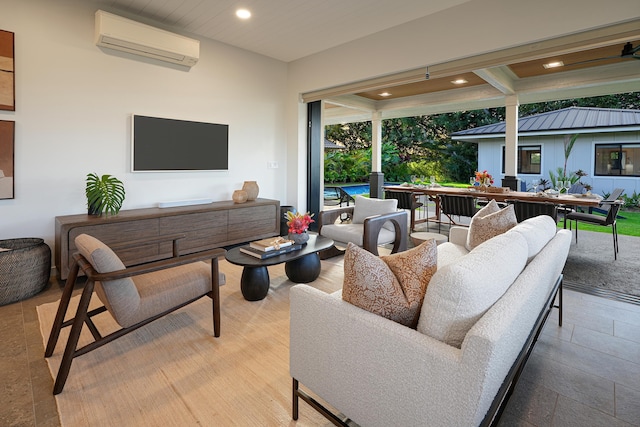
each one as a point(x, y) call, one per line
point(371, 222)
point(134, 295)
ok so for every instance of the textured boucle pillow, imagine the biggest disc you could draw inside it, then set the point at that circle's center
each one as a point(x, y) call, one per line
point(489, 222)
point(537, 231)
point(391, 286)
point(461, 292)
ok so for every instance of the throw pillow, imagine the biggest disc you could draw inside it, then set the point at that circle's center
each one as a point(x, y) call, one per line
point(366, 207)
point(489, 222)
point(391, 286)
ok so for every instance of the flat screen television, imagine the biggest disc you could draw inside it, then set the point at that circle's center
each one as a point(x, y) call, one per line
point(168, 145)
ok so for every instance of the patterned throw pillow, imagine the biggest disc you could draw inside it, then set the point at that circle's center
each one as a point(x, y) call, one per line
point(391, 286)
point(489, 222)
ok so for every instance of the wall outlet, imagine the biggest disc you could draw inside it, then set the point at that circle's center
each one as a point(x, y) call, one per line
point(272, 165)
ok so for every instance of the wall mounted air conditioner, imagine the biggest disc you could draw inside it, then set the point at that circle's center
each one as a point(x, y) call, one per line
point(116, 32)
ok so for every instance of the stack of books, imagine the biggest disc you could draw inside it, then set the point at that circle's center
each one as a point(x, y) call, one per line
point(270, 247)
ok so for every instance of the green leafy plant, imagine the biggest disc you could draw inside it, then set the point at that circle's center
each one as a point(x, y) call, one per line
point(105, 194)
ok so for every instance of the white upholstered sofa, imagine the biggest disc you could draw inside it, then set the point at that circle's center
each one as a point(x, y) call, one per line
point(377, 372)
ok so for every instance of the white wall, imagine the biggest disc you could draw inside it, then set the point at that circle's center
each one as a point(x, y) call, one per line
point(552, 146)
point(73, 107)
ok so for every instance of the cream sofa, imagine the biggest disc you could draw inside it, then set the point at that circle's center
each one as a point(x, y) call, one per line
point(380, 373)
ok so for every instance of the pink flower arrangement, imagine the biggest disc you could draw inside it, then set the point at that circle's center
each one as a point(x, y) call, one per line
point(298, 223)
point(483, 176)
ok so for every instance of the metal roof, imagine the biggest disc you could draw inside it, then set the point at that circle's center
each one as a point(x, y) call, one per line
point(567, 119)
point(330, 145)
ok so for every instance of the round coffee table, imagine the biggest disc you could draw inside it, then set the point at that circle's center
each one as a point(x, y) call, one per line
point(301, 266)
point(419, 237)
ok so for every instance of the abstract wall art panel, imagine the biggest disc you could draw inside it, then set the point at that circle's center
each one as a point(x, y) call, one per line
point(7, 133)
point(7, 76)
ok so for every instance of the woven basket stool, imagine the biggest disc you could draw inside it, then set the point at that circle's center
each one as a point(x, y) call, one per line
point(24, 269)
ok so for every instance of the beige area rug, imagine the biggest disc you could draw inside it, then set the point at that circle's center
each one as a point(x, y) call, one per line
point(173, 372)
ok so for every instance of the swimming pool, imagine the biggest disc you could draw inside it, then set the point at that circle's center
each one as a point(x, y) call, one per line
point(357, 189)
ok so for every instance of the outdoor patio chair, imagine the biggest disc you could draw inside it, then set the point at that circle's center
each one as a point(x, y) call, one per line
point(606, 221)
point(406, 200)
point(337, 196)
point(604, 205)
point(459, 206)
point(133, 296)
point(526, 210)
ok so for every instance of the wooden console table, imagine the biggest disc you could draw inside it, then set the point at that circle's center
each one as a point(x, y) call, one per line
point(206, 226)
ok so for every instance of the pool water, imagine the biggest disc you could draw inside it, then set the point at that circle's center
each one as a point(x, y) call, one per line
point(357, 189)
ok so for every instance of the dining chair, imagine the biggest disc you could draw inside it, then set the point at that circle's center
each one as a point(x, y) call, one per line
point(406, 200)
point(134, 295)
point(459, 206)
point(526, 209)
point(597, 219)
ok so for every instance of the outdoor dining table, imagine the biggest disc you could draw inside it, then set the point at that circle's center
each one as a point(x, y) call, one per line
point(562, 200)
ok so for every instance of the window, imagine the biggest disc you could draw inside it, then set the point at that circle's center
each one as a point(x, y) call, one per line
point(529, 159)
point(617, 159)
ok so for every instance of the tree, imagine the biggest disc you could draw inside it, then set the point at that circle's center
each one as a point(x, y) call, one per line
point(424, 142)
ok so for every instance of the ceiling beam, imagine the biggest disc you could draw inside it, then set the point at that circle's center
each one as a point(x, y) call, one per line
point(500, 77)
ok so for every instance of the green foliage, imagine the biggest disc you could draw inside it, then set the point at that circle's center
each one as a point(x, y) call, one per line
point(423, 146)
point(426, 169)
point(343, 166)
point(632, 201)
point(104, 194)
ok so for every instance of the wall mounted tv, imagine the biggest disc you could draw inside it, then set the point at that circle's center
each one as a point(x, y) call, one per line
point(168, 145)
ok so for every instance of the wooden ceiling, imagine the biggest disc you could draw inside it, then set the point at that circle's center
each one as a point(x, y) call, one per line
point(520, 70)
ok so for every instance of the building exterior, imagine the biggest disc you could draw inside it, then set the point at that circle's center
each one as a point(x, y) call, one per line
point(607, 147)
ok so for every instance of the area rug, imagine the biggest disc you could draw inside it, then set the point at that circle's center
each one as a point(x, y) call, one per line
point(173, 372)
point(591, 263)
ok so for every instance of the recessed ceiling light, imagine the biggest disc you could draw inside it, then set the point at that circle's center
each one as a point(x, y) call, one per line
point(243, 14)
point(385, 94)
point(554, 64)
point(459, 81)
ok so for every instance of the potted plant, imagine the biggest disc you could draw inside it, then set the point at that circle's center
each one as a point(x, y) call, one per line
point(105, 194)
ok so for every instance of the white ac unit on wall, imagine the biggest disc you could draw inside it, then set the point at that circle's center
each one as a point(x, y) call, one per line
point(116, 32)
